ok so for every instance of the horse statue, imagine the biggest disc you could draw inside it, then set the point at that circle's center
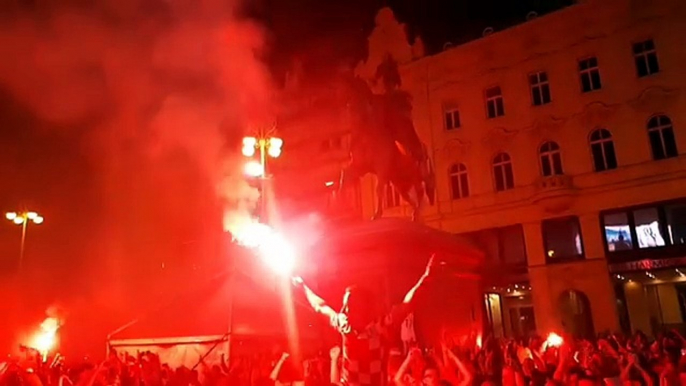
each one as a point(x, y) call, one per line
point(385, 143)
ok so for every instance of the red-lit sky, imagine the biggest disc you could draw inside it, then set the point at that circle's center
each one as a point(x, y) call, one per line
point(115, 119)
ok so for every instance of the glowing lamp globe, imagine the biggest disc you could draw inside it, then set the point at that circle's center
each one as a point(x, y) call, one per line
point(253, 169)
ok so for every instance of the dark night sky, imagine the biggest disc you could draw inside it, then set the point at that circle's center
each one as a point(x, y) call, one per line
point(299, 24)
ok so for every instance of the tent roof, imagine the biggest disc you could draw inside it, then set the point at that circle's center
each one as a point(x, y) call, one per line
point(258, 311)
point(401, 234)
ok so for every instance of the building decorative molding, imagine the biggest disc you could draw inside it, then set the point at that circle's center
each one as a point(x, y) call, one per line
point(597, 114)
point(554, 194)
point(545, 126)
point(454, 149)
point(654, 99)
point(499, 137)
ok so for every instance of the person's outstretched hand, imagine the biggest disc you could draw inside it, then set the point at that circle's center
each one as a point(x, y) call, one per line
point(297, 281)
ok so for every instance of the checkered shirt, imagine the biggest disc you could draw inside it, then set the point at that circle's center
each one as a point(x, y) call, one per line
point(365, 354)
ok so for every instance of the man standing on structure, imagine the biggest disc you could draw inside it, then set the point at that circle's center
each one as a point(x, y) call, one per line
point(365, 335)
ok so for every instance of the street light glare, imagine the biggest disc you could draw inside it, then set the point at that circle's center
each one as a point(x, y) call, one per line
point(31, 215)
point(18, 220)
point(11, 215)
point(274, 152)
point(253, 169)
point(38, 219)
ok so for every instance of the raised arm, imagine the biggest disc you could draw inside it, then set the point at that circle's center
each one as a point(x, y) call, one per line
point(401, 311)
point(317, 303)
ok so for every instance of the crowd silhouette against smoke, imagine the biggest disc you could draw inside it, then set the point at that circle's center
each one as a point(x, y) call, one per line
point(124, 117)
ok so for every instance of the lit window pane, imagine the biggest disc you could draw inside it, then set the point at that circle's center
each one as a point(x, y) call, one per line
point(648, 232)
point(617, 232)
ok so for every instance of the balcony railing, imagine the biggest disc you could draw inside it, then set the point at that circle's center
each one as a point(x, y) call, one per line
point(554, 193)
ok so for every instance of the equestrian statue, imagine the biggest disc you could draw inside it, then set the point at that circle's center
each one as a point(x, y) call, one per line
point(384, 141)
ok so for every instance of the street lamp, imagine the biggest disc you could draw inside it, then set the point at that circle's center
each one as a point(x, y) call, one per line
point(23, 219)
point(267, 146)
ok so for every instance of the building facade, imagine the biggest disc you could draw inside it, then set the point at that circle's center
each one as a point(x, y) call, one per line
point(559, 147)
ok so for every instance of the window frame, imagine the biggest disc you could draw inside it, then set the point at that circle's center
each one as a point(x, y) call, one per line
point(458, 174)
point(452, 111)
point(601, 142)
point(660, 128)
point(563, 259)
point(538, 86)
point(669, 250)
point(644, 56)
point(502, 164)
point(589, 72)
point(550, 155)
point(495, 99)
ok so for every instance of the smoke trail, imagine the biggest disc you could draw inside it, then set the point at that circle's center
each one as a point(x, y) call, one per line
point(159, 92)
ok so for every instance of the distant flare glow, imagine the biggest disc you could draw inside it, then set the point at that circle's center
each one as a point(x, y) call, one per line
point(45, 338)
point(253, 169)
point(329, 183)
point(554, 340)
point(11, 215)
point(272, 247)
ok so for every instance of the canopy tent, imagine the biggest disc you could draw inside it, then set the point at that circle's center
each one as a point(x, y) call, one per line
point(197, 322)
point(388, 255)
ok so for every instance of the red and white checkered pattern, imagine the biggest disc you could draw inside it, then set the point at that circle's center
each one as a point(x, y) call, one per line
point(365, 354)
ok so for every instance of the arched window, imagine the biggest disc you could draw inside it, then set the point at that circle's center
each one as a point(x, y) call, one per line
point(603, 150)
point(661, 134)
point(459, 185)
point(551, 161)
point(502, 172)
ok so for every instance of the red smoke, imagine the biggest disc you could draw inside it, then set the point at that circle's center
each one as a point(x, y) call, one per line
point(158, 93)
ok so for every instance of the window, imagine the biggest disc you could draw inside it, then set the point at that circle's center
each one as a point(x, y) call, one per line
point(459, 185)
point(391, 197)
point(661, 134)
point(590, 75)
point(647, 228)
point(645, 57)
point(502, 172)
point(551, 161)
point(603, 150)
point(562, 238)
point(494, 102)
point(617, 232)
point(675, 216)
point(501, 245)
point(540, 89)
point(452, 119)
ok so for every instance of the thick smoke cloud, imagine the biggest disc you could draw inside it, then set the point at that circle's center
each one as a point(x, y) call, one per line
point(158, 93)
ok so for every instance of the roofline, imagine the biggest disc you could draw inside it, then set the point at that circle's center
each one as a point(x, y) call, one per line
point(427, 59)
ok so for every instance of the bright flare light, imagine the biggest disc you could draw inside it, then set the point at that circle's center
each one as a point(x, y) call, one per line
point(253, 169)
point(272, 247)
point(45, 338)
point(554, 340)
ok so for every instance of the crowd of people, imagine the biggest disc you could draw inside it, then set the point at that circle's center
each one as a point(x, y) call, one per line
point(611, 359)
point(373, 352)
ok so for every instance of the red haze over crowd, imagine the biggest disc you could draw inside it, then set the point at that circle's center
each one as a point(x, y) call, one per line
point(134, 110)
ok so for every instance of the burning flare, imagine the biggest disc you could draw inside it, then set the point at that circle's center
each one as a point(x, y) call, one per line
point(272, 247)
point(45, 338)
point(554, 340)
